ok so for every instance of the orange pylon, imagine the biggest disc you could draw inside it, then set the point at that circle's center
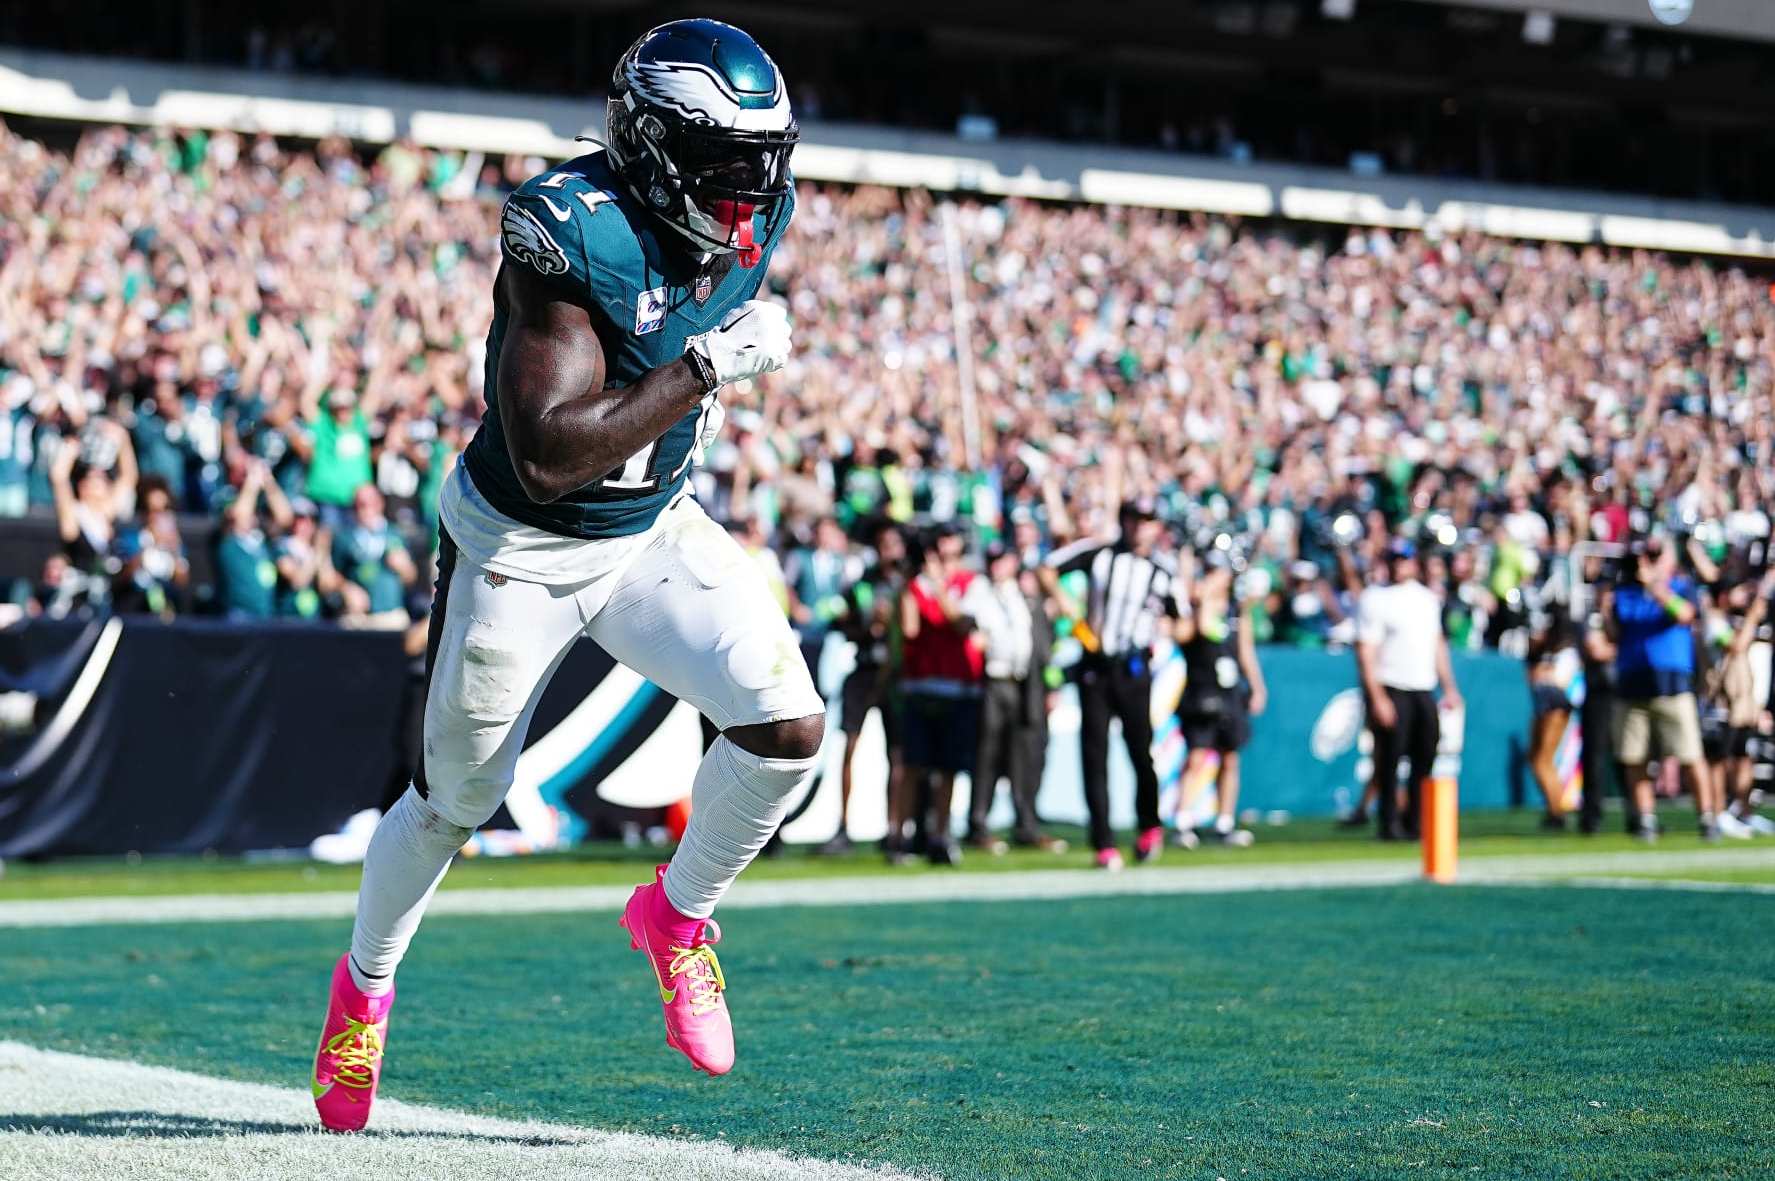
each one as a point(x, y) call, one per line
point(1441, 829)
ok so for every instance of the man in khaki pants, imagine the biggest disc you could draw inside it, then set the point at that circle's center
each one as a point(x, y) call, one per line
point(1650, 620)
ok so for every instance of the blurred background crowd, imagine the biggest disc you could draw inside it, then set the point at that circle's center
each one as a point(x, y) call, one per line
point(288, 340)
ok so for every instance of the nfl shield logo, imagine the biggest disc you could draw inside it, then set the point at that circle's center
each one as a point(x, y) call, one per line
point(705, 286)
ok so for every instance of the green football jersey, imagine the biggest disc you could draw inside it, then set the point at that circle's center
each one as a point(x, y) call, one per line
point(583, 232)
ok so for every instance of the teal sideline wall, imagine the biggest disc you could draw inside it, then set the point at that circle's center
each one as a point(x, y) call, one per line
point(1283, 770)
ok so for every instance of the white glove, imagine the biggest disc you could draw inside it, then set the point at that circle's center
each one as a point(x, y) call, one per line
point(752, 339)
point(713, 420)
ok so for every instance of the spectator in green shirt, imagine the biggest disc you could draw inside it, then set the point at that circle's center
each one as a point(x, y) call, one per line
point(338, 453)
point(248, 574)
point(301, 563)
point(373, 561)
point(159, 436)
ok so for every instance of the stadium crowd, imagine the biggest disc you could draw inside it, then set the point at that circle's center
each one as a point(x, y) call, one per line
point(292, 340)
point(288, 341)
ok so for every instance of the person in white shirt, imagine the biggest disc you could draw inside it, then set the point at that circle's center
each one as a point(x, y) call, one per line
point(1402, 656)
point(1526, 527)
point(1012, 626)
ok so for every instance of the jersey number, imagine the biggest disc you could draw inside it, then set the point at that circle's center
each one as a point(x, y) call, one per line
point(639, 474)
point(590, 198)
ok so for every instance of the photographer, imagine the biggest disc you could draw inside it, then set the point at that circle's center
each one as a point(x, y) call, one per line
point(941, 694)
point(1650, 619)
point(1008, 609)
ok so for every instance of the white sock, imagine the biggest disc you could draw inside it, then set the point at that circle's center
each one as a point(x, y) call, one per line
point(1224, 823)
point(736, 803)
point(407, 858)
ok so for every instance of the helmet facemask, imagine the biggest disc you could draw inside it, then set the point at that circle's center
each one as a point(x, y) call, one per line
point(707, 182)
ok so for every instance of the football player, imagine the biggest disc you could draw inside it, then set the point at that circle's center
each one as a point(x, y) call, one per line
point(626, 300)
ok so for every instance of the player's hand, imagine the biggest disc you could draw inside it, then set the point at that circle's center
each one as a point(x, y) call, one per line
point(1381, 710)
point(753, 339)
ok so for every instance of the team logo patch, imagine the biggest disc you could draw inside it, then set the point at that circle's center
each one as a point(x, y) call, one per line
point(529, 242)
point(705, 287)
point(650, 311)
point(495, 580)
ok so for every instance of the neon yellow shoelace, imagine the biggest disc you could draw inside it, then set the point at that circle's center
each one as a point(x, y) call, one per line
point(357, 1047)
point(699, 966)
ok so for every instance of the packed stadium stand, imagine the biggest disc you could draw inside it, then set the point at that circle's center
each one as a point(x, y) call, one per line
point(244, 289)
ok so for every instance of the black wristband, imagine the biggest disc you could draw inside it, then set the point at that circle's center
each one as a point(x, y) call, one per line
point(705, 372)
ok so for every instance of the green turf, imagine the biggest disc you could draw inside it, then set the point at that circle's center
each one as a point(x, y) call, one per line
point(1409, 1032)
point(1484, 834)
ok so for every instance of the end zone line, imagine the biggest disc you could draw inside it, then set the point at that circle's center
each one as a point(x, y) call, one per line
point(77, 1118)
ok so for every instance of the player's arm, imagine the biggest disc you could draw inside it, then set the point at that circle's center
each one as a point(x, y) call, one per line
point(563, 426)
point(564, 429)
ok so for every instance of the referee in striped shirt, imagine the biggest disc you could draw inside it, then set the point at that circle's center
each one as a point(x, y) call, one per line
point(1131, 589)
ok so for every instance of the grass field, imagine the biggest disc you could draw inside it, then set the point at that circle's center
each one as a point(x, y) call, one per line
point(1481, 1031)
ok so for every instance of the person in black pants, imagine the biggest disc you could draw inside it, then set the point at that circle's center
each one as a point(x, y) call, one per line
point(1117, 687)
point(1012, 621)
point(1412, 734)
point(1602, 772)
point(1402, 656)
point(1130, 589)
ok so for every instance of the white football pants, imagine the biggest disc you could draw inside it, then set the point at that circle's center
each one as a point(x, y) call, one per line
point(690, 611)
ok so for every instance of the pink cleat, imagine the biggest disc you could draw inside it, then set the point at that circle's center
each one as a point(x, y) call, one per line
point(1149, 844)
point(691, 986)
point(348, 1063)
point(1110, 859)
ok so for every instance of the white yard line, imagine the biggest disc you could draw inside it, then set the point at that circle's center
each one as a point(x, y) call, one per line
point(71, 1118)
point(1701, 885)
point(884, 889)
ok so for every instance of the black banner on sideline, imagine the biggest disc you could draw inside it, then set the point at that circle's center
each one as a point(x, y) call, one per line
point(202, 735)
point(194, 736)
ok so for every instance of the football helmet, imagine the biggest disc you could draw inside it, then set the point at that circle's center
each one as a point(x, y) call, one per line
point(698, 124)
